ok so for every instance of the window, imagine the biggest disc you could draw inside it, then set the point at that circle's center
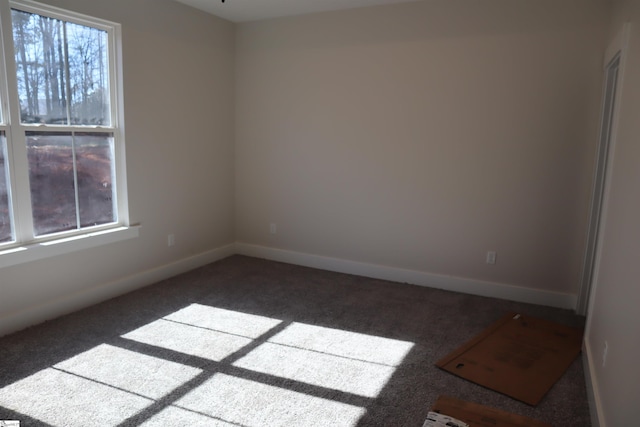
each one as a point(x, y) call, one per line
point(61, 133)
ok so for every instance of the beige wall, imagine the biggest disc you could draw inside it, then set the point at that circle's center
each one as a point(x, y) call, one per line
point(178, 84)
point(421, 135)
point(615, 317)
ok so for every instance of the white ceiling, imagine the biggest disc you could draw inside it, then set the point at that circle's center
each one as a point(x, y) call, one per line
point(254, 10)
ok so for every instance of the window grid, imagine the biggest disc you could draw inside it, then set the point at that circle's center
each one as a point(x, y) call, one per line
point(92, 139)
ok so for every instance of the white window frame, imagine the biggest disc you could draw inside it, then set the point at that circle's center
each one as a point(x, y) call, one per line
point(27, 246)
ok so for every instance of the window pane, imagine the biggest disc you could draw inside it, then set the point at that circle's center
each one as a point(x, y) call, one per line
point(40, 65)
point(94, 154)
point(89, 75)
point(51, 175)
point(6, 234)
point(54, 179)
point(60, 66)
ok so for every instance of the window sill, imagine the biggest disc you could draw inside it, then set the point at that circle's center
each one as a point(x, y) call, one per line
point(36, 251)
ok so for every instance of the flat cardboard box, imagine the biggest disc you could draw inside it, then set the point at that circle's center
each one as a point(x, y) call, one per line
point(518, 355)
point(481, 416)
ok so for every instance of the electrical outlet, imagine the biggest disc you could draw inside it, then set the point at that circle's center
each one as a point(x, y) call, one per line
point(273, 229)
point(605, 352)
point(171, 240)
point(491, 257)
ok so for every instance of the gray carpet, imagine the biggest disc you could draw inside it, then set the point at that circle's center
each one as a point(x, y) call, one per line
point(249, 342)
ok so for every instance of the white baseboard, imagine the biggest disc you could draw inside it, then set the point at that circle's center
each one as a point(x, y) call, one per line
point(450, 283)
point(69, 303)
point(595, 403)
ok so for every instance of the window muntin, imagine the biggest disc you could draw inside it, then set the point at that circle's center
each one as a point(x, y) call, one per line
point(66, 155)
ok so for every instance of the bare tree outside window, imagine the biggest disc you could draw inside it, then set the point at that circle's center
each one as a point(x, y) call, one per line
point(62, 71)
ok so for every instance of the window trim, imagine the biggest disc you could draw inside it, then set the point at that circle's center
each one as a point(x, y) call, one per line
point(28, 247)
point(20, 254)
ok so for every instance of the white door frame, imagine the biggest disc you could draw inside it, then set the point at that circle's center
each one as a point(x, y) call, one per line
point(614, 62)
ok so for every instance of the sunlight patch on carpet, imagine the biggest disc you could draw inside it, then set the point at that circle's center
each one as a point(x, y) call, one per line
point(199, 330)
point(353, 345)
point(250, 403)
point(330, 358)
point(107, 384)
point(62, 399)
point(187, 339)
point(221, 320)
point(173, 416)
point(319, 369)
point(138, 373)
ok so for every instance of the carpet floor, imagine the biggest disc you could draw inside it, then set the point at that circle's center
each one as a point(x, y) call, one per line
point(250, 342)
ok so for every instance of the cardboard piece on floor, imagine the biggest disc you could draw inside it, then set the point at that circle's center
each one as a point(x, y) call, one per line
point(482, 416)
point(518, 355)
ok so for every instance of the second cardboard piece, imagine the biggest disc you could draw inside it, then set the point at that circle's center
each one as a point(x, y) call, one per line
point(476, 415)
